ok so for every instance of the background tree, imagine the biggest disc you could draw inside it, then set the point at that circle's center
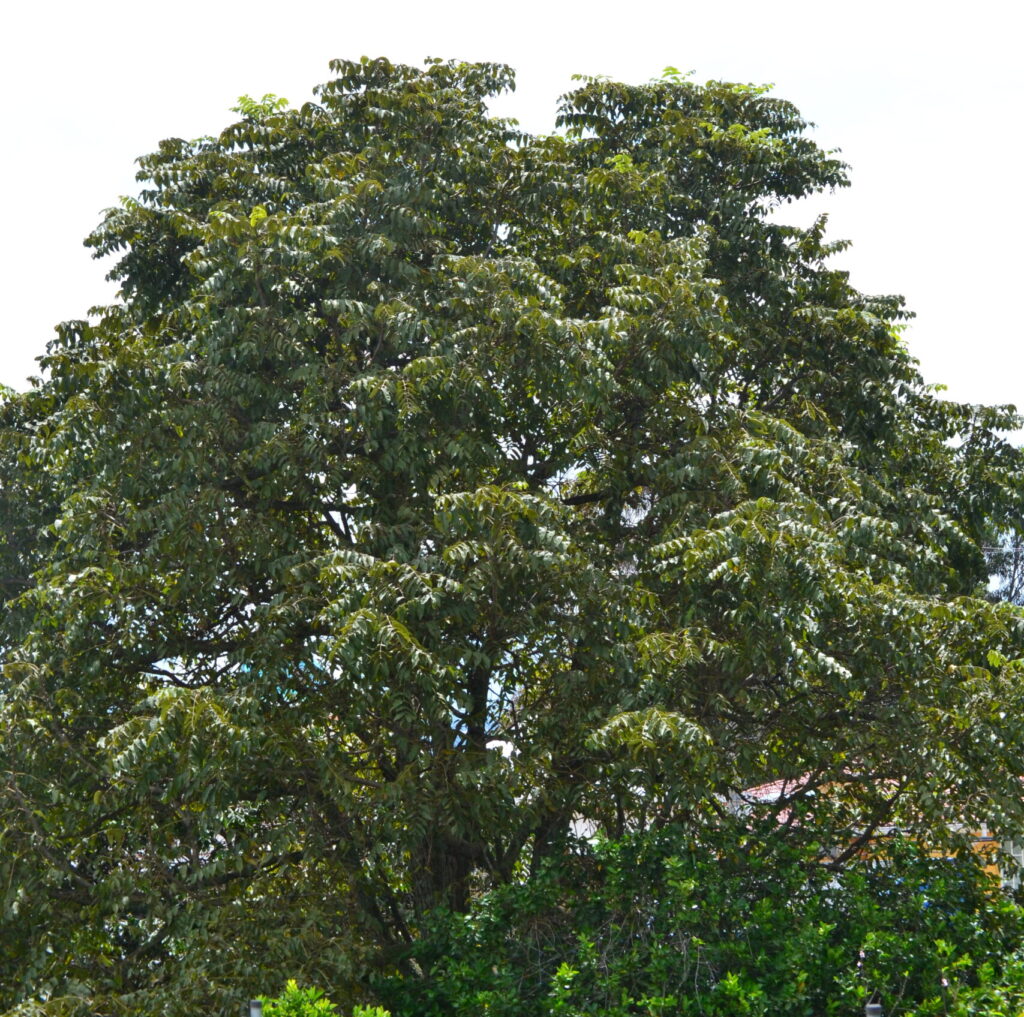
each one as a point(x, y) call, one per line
point(436, 493)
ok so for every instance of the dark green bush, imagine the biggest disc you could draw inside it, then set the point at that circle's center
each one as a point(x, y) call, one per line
point(654, 925)
point(997, 991)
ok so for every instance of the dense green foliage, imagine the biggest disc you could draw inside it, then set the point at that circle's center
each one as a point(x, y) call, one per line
point(655, 925)
point(436, 494)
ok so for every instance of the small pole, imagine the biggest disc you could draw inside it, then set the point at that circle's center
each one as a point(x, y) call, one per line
point(254, 1008)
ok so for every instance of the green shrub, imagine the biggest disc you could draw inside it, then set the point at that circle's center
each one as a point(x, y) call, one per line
point(655, 926)
point(997, 992)
point(296, 1002)
point(310, 1002)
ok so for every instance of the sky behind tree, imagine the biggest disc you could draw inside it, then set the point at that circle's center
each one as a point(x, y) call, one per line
point(924, 106)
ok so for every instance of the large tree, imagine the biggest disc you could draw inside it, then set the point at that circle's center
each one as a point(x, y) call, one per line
point(437, 492)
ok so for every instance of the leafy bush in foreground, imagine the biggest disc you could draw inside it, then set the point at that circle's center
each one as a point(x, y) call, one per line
point(310, 1002)
point(654, 925)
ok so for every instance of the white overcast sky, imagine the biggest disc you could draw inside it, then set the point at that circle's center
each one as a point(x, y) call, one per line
point(924, 100)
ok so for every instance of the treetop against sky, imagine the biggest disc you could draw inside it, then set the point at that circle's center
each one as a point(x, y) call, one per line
point(919, 106)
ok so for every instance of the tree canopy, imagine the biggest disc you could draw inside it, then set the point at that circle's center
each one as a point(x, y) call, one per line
point(437, 495)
